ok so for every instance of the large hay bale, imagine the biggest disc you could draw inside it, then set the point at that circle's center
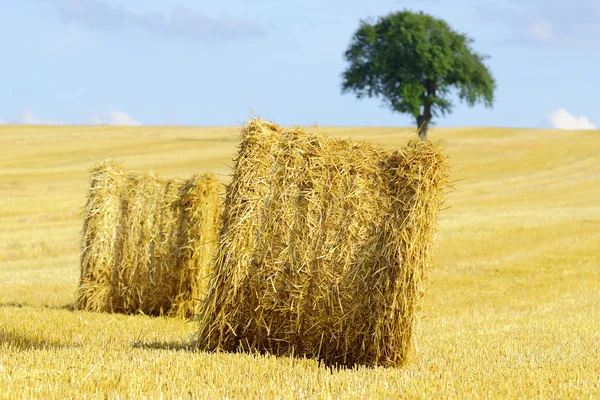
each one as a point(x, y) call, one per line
point(147, 242)
point(324, 247)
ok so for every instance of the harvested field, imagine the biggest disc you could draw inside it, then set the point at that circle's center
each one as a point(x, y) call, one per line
point(511, 310)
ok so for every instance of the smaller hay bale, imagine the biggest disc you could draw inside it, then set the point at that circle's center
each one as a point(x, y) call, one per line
point(324, 247)
point(147, 242)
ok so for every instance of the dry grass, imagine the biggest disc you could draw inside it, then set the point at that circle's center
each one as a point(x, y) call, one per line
point(324, 247)
point(512, 310)
point(147, 242)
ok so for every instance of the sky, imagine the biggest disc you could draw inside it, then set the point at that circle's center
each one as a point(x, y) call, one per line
point(162, 62)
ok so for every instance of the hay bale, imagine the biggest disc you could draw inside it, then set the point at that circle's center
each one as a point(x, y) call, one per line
point(147, 242)
point(324, 247)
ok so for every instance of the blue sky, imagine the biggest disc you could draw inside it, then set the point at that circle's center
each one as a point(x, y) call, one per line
point(189, 62)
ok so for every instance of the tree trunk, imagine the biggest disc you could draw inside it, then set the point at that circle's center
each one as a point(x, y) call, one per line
point(423, 120)
point(423, 126)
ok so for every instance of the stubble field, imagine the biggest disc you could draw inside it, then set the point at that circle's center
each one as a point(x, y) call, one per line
point(513, 308)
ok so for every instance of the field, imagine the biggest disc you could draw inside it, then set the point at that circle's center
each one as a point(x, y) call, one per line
point(513, 307)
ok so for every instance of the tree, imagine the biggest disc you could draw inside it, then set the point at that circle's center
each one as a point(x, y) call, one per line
point(415, 62)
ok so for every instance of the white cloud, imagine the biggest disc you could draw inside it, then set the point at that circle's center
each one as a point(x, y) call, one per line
point(27, 117)
point(561, 119)
point(99, 14)
point(541, 30)
point(114, 118)
point(575, 23)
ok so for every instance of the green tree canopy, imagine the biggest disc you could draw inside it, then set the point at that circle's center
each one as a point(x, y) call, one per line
point(415, 63)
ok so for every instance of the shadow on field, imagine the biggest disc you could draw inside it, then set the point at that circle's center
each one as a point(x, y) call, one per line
point(68, 307)
point(190, 345)
point(20, 341)
point(13, 305)
point(173, 345)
